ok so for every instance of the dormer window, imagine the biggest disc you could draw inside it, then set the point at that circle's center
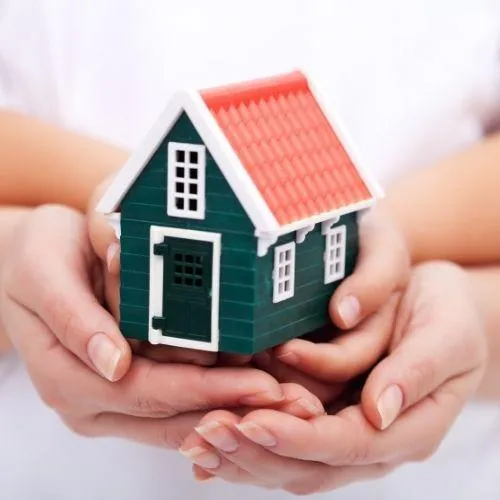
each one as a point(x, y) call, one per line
point(186, 180)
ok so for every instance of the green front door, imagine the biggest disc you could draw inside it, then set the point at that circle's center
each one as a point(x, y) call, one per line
point(187, 289)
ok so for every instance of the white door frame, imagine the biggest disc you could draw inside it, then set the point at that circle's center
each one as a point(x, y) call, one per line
point(157, 234)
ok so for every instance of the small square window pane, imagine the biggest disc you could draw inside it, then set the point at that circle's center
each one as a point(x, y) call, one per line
point(337, 268)
point(198, 283)
point(337, 253)
point(178, 280)
point(193, 173)
point(179, 187)
point(178, 257)
point(193, 188)
point(178, 268)
point(189, 258)
point(189, 281)
point(198, 271)
point(193, 205)
point(180, 172)
point(288, 255)
point(189, 270)
point(339, 237)
point(180, 156)
point(287, 270)
point(193, 157)
point(198, 259)
point(287, 286)
point(179, 203)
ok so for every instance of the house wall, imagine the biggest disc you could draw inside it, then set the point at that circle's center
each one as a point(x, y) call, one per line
point(145, 205)
point(307, 310)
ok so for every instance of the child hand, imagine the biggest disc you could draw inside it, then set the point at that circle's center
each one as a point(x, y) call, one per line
point(436, 361)
point(364, 304)
point(77, 358)
point(106, 245)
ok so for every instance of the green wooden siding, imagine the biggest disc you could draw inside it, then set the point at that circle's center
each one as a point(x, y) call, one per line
point(307, 310)
point(248, 319)
point(145, 205)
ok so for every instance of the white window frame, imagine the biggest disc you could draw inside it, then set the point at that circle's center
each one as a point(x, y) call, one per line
point(335, 254)
point(283, 282)
point(186, 181)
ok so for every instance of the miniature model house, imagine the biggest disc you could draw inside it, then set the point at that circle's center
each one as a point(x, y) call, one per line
point(237, 217)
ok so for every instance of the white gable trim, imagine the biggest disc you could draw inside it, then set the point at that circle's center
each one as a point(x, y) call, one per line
point(339, 127)
point(215, 141)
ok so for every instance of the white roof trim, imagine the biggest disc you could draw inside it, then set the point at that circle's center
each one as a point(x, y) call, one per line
point(339, 127)
point(316, 219)
point(215, 141)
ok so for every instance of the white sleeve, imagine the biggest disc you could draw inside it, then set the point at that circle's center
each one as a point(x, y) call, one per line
point(27, 76)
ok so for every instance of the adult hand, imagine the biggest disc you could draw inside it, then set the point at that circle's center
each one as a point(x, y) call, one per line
point(79, 362)
point(410, 400)
point(359, 309)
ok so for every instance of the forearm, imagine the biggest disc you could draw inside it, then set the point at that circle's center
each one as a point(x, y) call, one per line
point(41, 163)
point(486, 288)
point(452, 210)
point(9, 219)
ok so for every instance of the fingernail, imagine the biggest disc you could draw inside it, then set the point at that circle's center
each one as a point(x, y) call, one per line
point(257, 434)
point(349, 310)
point(219, 436)
point(313, 409)
point(104, 355)
point(263, 398)
point(111, 254)
point(289, 358)
point(202, 457)
point(389, 405)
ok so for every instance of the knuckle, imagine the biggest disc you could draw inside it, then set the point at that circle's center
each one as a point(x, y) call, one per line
point(170, 438)
point(419, 378)
point(147, 405)
point(358, 454)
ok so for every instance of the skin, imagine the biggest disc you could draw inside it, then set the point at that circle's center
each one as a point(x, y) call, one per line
point(436, 360)
point(52, 318)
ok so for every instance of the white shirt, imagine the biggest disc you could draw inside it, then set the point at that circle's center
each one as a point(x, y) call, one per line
point(413, 80)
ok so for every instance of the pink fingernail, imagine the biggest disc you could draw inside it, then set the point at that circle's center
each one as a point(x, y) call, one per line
point(104, 355)
point(202, 457)
point(111, 254)
point(389, 405)
point(350, 310)
point(257, 434)
point(218, 435)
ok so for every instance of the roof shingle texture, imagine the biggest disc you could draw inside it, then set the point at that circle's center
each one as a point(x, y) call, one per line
point(288, 147)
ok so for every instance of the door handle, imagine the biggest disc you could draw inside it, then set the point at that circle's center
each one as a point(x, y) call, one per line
point(159, 323)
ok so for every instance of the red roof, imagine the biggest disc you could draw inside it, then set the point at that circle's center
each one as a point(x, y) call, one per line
point(288, 147)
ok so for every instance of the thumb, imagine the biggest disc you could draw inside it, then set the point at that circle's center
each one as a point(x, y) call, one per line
point(54, 281)
point(102, 235)
point(415, 369)
point(382, 268)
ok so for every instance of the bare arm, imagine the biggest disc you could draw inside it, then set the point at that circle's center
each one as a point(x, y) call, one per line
point(41, 163)
point(452, 210)
point(486, 283)
point(9, 219)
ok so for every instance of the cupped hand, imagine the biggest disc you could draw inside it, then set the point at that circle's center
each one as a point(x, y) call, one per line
point(360, 309)
point(78, 360)
point(436, 360)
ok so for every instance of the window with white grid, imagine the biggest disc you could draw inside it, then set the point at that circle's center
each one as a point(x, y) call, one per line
point(284, 272)
point(186, 180)
point(335, 254)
